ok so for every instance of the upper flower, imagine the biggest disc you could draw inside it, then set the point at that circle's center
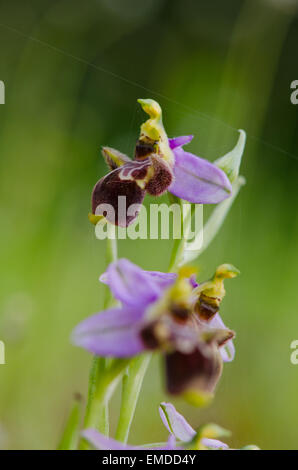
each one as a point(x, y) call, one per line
point(159, 164)
point(165, 312)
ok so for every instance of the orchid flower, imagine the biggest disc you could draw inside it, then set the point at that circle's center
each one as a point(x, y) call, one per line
point(159, 164)
point(164, 312)
point(182, 435)
point(204, 438)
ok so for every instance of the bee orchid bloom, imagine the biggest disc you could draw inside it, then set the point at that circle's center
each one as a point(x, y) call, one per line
point(159, 164)
point(203, 438)
point(182, 435)
point(157, 312)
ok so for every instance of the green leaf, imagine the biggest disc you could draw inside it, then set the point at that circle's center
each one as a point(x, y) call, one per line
point(214, 223)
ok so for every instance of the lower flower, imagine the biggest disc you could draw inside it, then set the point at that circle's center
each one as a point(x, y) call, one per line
point(159, 312)
point(182, 435)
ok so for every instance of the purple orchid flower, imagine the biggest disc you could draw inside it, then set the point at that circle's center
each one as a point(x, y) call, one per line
point(159, 312)
point(159, 164)
point(182, 435)
point(186, 436)
point(101, 442)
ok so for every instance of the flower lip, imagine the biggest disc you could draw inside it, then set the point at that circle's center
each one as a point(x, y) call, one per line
point(108, 192)
point(198, 371)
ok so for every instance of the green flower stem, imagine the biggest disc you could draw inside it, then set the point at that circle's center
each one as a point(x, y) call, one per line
point(97, 371)
point(134, 376)
point(111, 255)
point(177, 255)
point(106, 381)
point(97, 410)
point(179, 243)
point(131, 387)
point(104, 387)
point(70, 437)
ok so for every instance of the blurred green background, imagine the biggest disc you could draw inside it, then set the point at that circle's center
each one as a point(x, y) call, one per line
point(73, 71)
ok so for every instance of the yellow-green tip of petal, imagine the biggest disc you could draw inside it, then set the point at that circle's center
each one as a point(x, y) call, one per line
point(94, 219)
point(153, 129)
point(226, 271)
point(151, 107)
point(199, 399)
point(213, 431)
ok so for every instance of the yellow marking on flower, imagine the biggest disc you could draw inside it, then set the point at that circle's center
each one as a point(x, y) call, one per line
point(113, 157)
point(181, 291)
point(198, 399)
point(143, 182)
point(212, 431)
point(187, 271)
point(215, 287)
point(153, 129)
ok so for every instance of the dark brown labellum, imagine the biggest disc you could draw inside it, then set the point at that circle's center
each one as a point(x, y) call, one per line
point(109, 191)
point(199, 370)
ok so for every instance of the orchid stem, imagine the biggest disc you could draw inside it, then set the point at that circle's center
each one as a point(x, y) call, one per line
point(134, 376)
point(131, 387)
point(70, 437)
point(179, 243)
point(97, 410)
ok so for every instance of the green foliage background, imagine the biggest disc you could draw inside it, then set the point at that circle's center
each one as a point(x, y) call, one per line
point(73, 71)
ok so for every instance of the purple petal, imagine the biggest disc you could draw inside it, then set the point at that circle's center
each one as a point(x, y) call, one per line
point(180, 141)
point(133, 286)
point(175, 423)
point(214, 444)
point(197, 180)
point(113, 332)
point(171, 444)
point(193, 281)
point(99, 441)
point(163, 280)
point(228, 350)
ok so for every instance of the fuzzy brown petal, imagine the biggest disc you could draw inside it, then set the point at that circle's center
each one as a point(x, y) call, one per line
point(198, 371)
point(161, 178)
